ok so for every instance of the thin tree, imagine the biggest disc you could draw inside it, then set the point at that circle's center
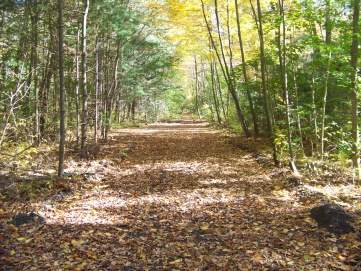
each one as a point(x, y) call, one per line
point(213, 88)
point(328, 28)
point(282, 61)
point(84, 82)
point(354, 90)
point(62, 91)
point(244, 69)
point(224, 65)
point(196, 86)
point(77, 84)
point(96, 91)
point(271, 132)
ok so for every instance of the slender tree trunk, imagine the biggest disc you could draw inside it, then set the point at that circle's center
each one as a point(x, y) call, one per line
point(214, 95)
point(328, 28)
point(96, 91)
point(270, 124)
point(84, 82)
point(62, 92)
point(77, 83)
point(229, 70)
point(324, 102)
point(224, 66)
point(244, 69)
point(218, 85)
point(355, 91)
point(35, 34)
point(196, 85)
point(282, 60)
point(227, 73)
point(299, 124)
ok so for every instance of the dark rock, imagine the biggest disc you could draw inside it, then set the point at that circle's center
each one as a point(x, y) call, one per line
point(294, 181)
point(21, 218)
point(333, 218)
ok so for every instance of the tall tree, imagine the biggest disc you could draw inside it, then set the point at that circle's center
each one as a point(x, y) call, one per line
point(266, 100)
point(84, 118)
point(244, 69)
point(62, 91)
point(354, 90)
point(284, 81)
point(221, 56)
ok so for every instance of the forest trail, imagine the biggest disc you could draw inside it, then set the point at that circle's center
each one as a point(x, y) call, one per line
point(177, 196)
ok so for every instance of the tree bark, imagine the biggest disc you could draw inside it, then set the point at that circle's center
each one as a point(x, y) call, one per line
point(34, 69)
point(96, 91)
point(354, 91)
point(245, 77)
point(196, 86)
point(258, 19)
point(77, 86)
point(214, 93)
point(324, 102)
point(62, 92)
point(84, 82)
point(282, 60)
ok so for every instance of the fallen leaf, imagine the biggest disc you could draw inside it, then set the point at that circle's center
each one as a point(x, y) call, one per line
point(204, 227)
point(257, 257)
point(75, 243)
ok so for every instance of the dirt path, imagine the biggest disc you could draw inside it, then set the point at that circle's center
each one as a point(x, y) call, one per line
point(177, 197)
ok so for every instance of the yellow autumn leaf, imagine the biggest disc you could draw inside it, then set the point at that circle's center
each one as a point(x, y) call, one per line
point(176, 261)
point(91, 255)
point(75, 243)
point(204, 227)
point(12, 252)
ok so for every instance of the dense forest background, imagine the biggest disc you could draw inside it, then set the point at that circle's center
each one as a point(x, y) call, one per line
point(282, 70)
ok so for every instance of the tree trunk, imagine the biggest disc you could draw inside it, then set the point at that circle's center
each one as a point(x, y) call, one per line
point(77, 83)
point(84, 82)
point(245, 77)
point(62, 92)
point(218, 84)
point(354, 91)
point(224, 66)
point(196, 85)
point(324, 102)
point(214, 94)
point(96, 91)
point(34, 70)
point(258, 19)
point(282, 61)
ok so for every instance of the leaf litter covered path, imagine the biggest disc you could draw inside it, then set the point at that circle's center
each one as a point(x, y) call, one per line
point(177, 197)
